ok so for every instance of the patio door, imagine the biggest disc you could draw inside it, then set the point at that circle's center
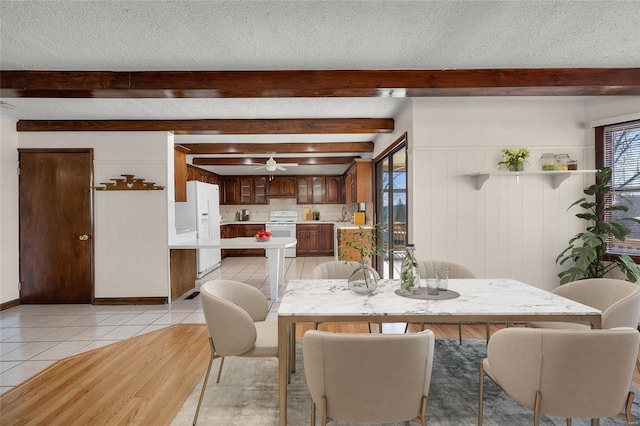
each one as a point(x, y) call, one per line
point(391, 209)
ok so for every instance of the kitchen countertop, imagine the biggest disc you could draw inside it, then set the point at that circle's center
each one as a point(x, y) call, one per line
point(340, 225)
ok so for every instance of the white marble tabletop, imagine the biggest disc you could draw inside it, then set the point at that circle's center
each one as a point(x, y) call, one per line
point(478, 297)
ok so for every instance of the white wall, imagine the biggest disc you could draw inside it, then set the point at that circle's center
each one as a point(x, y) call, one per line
point(9, 274)
point(130, 231)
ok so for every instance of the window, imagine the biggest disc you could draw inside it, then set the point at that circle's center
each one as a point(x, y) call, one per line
point(618, 147)
point(391, 207)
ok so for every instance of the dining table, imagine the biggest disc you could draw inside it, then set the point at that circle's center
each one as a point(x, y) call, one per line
point(500, 300)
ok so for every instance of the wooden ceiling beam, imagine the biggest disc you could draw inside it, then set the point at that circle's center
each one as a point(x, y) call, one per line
point(217, 126)
point(302, 161)
point(280, 148)
point(323, 83)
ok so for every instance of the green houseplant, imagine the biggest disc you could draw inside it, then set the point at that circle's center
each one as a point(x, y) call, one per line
point(588, 256)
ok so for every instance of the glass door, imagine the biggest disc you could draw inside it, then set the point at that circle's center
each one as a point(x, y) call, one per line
point(391, 210)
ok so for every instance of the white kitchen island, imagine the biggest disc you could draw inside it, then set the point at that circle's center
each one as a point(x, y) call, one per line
point(274, 249)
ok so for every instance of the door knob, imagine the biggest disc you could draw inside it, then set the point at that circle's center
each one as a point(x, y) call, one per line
point(84, 237)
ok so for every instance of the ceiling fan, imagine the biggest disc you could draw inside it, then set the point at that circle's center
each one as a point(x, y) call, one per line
point(272, 166)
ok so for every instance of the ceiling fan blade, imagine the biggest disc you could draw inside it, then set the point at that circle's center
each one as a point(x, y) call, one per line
point(288, 164)
point(260, 167)
point(279, 167)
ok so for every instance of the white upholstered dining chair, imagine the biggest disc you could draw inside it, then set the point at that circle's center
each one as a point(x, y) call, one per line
point(618, 300)
point(336, 269)
point(427, 270)
point(368, 378)
point(235, 313)
point(564, 373)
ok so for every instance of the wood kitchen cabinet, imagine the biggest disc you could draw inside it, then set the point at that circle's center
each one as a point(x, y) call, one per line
point(229, 190)
point(307, 236)
point(311, 190)
point(359, 181)
point(314, 239)
point(282, 187)
point(183, 273)
point(180, 172)
point(202, 175)
point(334, 190)
point(245, 190)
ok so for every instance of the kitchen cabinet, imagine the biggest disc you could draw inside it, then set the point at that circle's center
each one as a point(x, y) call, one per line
point(307, 236)
point(183, 273)
point(230, 191)
point(281, 187)
point(314, 239)
point(180, 173)
point(246, 190)
point(325, 239)
point(202, 175)
point(311, 190)
point(334, 190)
point(359, 181)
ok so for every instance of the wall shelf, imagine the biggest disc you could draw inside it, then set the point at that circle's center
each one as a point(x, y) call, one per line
point(557, 177)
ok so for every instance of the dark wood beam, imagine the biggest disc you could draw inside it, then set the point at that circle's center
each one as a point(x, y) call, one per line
point(302, 161)
point(280, 148)
point(324, 83)
point(217, 127)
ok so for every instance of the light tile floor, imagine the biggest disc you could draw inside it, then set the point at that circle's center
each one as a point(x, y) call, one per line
point(32, 337)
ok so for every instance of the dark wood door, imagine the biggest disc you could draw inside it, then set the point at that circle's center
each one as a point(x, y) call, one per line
point(56, 226)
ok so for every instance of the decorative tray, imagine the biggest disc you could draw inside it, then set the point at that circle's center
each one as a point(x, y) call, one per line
point(422, 294)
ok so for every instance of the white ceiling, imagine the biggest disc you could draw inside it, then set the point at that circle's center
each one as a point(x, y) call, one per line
point(298, 35)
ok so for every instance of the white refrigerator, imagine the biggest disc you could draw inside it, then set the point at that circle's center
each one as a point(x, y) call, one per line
point(201, 212)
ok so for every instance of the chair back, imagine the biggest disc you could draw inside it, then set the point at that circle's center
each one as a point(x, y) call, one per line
point(618, 300)
point(427, 269)
point(337, 270)
point(228, 307)
point(579, 373)
point(369, 378)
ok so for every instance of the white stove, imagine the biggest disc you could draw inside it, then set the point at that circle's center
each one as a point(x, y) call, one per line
point(282, 223)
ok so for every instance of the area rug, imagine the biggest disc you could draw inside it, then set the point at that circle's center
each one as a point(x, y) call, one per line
point(248, 394)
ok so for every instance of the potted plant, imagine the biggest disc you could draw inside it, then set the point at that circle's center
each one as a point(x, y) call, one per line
point(363, 241)
point(588, 256)
point(513, 159)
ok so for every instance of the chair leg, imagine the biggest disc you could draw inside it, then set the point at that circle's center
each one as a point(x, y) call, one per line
point(220, 369)
point(536, 410)
point(488, 331)
point(596, 422)
point(568, 421)
point(313, 413)
point(480, 395)
point(638, 364)
point(324, 411)
point(204, 386)
point(460, 332)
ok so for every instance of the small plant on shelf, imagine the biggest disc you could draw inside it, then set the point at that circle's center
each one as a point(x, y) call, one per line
point(513, 159)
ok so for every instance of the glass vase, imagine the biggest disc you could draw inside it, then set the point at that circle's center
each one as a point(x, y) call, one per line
point(363, 281)
point(409, 275)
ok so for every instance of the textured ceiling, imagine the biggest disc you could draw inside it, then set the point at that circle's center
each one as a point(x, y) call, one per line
point(311, 35)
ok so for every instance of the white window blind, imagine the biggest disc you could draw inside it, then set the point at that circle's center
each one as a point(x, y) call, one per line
point(622, 154)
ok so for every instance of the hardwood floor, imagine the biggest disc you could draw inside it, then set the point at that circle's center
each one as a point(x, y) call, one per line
point(142, 380)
